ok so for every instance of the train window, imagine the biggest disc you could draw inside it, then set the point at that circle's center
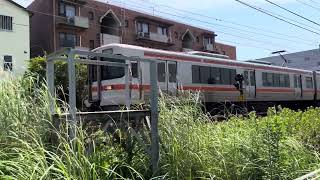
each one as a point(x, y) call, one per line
point(134, 70)
point(161, 72)
point(309, 82)
point(264, 79)
point(225, 76)
point(112, 72)
point(195, 74)
point(215, 76)
point(246, 78)
point(286, 80)
point(172, 72)
point(204, 74)
point(282, 81)
point(269, 79)
point(252, 78)
point(276, 80)
point(108, 51)
point(233, 74)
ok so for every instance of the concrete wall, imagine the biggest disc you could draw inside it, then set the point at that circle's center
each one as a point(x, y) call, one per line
point(15, 43)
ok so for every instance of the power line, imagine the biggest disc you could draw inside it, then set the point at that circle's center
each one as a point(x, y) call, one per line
point(274, 16)
point(275, 4)
point(257, 33)
point(306, 4)
point(134, 33)
point(315, 2)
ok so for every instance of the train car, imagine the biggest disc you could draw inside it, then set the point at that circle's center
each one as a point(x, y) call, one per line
point(213, 76)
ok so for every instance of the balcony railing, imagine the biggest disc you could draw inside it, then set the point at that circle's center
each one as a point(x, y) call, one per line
point(154, 37)
point(67, 43)
point(76, 21)
point(208, 47)
point(108, 39)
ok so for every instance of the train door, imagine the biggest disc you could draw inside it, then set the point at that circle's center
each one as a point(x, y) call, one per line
point(297, 86)
point(249, 83)
point(167, 76)
point(136, 81)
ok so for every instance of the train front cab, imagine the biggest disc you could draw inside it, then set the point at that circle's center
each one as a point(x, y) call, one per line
point(107, 84)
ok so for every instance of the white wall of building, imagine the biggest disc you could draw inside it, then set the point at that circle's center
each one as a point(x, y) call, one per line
point(15, 43)
point(309, 60)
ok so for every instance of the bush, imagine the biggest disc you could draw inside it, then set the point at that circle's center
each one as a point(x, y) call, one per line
point(37, 70)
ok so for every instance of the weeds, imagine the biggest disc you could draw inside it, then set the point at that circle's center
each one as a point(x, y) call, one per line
point(283, 145)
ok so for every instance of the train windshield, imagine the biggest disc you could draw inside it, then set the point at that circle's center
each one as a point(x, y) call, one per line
point(111, 72)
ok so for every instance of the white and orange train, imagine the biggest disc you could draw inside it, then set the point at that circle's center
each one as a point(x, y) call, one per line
point(212, 75)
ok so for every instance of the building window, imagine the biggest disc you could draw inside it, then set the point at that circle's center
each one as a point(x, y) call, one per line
point(91, 44)
point(91, 15)
point(307, 59)
point(224, 52)
point(176, 35)
point(67, 10)
point(126, 23)
point(67, 40)
point(208, 40)
point(6, 23)
point(7, 64)
point(143, 27)
point(198, 40)
point(162, 30)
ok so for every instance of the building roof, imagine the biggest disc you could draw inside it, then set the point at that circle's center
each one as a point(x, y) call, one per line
point(19, 6)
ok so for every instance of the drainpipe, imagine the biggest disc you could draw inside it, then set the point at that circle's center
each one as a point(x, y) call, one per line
point(54, 25)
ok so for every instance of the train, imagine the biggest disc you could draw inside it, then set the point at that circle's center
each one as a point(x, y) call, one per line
point(213, 75)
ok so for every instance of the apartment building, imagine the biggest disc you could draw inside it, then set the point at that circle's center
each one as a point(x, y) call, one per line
point(14, 39)
point(87, 24)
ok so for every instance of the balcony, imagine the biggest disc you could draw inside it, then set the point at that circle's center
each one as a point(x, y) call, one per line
point(76, 21)
point(208, 47)
point(67, 43)
point(109, 39)
point(155, 37)
point(81, 2)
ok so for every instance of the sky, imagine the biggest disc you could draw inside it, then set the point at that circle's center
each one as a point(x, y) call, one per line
point(255, 34)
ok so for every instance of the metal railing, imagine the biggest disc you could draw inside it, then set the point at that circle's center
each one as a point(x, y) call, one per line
point(311, 176)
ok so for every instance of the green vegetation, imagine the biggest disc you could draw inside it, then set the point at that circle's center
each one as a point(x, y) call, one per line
point(283, 145)
point(37, 70)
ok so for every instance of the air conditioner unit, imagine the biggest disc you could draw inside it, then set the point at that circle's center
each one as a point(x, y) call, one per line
point(70, 20)
point(141, 34)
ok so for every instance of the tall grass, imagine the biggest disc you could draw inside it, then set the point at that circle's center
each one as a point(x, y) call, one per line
point(282, 145)
point(32, 148)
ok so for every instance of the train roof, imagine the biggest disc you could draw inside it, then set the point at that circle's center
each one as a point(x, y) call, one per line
point(207, 59)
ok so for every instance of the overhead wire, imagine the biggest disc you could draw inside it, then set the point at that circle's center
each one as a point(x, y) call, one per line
point(277, 17)
point(224, 26)
point(294, 13)
point(118, 28)
point(306, 4)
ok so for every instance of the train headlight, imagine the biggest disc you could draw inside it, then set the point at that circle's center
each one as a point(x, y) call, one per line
point(108, 88)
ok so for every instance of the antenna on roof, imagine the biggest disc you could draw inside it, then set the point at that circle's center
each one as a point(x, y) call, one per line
point(285, 61)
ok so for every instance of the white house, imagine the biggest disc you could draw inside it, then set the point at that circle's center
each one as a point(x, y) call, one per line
point(14, 39)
